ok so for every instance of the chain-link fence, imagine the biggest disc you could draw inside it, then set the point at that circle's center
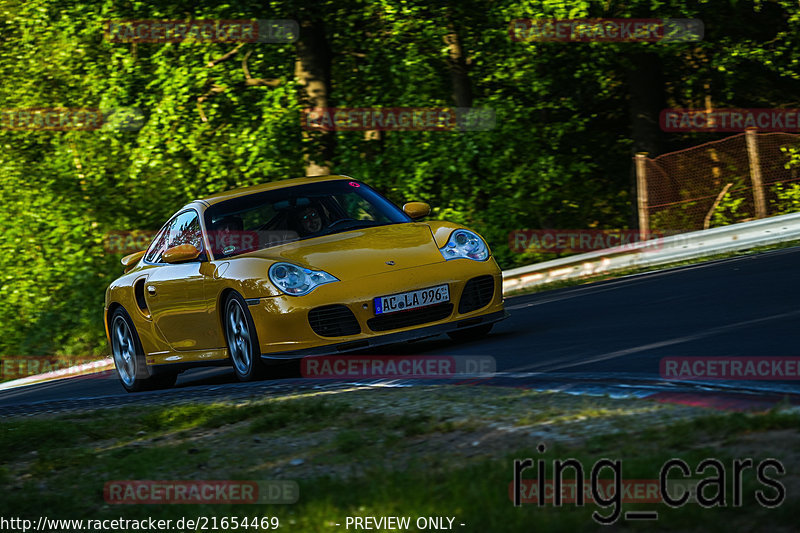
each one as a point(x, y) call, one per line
point(740, 178)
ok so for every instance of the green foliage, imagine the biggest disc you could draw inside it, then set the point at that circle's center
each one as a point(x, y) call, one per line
point(787, 195)
point(559, 156)
point(788, 198)
point(729, 210)
point(794, 156)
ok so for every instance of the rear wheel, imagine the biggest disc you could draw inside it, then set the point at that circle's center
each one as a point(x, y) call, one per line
point(470, 334)
point(240, 334)
point(128, 354)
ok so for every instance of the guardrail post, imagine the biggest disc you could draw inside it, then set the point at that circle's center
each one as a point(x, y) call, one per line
point(641, 195)
point(755, 172)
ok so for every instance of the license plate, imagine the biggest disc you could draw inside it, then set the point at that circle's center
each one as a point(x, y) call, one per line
point(412, 299)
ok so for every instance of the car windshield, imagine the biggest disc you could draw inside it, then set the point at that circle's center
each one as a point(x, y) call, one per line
point(269, 218)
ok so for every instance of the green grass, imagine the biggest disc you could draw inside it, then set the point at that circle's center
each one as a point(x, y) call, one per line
point(362, 458)
point(311, 414)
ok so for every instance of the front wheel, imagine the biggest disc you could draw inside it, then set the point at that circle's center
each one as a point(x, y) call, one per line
point(240, 334)
point(128, 354)
point(470, 334)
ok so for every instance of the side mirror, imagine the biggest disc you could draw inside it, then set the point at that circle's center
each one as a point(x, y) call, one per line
point(130, 261)
point(180, 253)
point(417, 209)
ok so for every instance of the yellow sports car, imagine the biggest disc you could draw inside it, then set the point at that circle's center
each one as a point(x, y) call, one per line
point(306, 266)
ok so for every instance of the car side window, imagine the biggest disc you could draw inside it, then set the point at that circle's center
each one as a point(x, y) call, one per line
point(183, 229)
point(186, 230)
point(157, 247)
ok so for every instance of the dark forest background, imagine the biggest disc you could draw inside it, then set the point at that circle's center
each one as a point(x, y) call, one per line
point(217, 116)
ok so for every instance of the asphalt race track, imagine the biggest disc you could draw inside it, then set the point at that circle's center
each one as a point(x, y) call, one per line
point(605, 336)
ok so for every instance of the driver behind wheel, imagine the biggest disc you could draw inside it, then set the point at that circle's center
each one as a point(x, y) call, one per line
point(310, 220)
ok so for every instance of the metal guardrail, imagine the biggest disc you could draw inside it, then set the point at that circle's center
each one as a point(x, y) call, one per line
point(657, 252)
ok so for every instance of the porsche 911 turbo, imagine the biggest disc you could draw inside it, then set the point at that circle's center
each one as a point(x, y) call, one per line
point(294, 268)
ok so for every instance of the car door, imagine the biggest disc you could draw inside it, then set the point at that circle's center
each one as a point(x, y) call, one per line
point(175, 292)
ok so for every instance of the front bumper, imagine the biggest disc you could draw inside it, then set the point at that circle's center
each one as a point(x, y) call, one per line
point(284, 331)
point(388, 338)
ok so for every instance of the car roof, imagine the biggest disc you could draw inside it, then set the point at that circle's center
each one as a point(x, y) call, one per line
point(244, 191)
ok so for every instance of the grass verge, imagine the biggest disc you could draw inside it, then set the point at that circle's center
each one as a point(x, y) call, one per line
point(438, 451)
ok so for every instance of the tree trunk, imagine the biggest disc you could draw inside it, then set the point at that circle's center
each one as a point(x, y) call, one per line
point(646, 86)
point(313, 73)
point(462, 89)
point(462, 96)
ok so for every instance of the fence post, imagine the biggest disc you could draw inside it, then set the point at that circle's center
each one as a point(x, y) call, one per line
point(755, 172)
point(641, 195)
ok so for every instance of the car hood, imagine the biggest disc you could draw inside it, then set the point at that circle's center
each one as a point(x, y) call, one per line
point(362, 252)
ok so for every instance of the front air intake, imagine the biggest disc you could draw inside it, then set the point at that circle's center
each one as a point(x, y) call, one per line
point(333, 321)
point(478, 292)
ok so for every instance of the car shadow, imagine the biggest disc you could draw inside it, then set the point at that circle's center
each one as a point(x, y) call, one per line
point(224, 375)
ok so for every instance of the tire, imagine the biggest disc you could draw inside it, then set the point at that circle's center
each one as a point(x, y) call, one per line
point(126, 349)
point(470, 334)
point(242, 340)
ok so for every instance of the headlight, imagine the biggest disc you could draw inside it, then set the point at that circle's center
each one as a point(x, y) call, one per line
point(297, 281)
point(465, 244)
